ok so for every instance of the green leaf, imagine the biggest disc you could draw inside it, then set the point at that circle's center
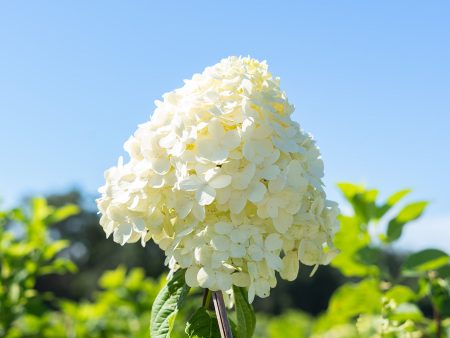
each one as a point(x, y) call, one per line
point(425, 260)
point(290, 324)
point(40, 209)
point(19, 250)
point(368, 255)
point(406, 311)
point(400, 294)
point(245, 316)
point(62, 213)
point(391, 201)
point(440, 296)
point(362, 200)
point(167, 304)
point(202, 324)
point(113, 279)
point(349, 190)
point(55, 247)
point(397, 196)
point(444, 271)
point(409, 213)
point(351, 241)
point(349, 301)
point(17, 214)
point(412, 211)
point(58, 266)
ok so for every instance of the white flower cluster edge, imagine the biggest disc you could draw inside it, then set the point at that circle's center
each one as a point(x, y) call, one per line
point(225, 182)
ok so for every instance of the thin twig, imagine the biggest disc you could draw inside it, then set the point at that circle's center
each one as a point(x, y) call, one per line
point(221, 313)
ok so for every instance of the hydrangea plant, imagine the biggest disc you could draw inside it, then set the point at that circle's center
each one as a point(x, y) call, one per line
point(226, 183)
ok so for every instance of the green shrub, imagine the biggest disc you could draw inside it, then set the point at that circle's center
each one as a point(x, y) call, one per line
point(379, 299)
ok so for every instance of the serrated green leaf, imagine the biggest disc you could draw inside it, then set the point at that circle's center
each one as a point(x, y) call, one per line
point(202, 324)
point(245, 315)
point(425, 260)
point(409, 213)
point(167, 304)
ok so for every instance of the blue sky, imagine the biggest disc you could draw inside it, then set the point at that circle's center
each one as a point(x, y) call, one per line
point(369, 79)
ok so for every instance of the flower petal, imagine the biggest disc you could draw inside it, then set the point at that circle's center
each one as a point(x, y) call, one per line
point(220, 181)
point(205, 196)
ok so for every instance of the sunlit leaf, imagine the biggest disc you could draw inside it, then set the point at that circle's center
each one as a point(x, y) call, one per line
point(19, 250)
point(400, 294)
point(62, 213)
point(392, 201)
point(406, 311)
point(351, 240)
point(40, 209)
point(113, 279)
point(349, 190)
point(425, 260)
point(409, 213)
point(349, 301)
point(167, 304)
point(290, 324)
point(52, 249)
point(397, 196)
point(362, 200)
point(58, 266)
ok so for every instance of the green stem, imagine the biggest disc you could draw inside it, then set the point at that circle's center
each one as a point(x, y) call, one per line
point(438, 321)
point(206, 299)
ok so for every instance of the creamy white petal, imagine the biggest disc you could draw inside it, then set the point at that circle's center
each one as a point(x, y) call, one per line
point(123, 233)
point(206, 195)
point(191, 183)
point(257, 192)
point(220, 181)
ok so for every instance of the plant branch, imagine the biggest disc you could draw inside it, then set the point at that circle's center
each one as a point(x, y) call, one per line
point(221, 313)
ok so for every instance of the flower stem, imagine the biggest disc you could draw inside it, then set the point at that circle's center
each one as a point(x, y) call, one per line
point(206, 303)
point(221, 313)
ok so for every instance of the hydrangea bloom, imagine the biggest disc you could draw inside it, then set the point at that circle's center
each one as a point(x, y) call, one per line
point(224, 182)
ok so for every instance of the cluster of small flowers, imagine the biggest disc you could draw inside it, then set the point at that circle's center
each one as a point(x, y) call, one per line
point(224, 182)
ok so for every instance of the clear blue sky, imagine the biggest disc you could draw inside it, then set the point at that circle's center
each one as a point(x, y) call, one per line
point(370, 79)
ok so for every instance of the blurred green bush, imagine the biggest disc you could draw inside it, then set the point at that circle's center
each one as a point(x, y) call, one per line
point(383, 295)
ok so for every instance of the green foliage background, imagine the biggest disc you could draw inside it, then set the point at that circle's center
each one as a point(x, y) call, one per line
point(59, 277)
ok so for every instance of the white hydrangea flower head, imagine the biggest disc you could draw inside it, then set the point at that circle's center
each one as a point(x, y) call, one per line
point(225, 182)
